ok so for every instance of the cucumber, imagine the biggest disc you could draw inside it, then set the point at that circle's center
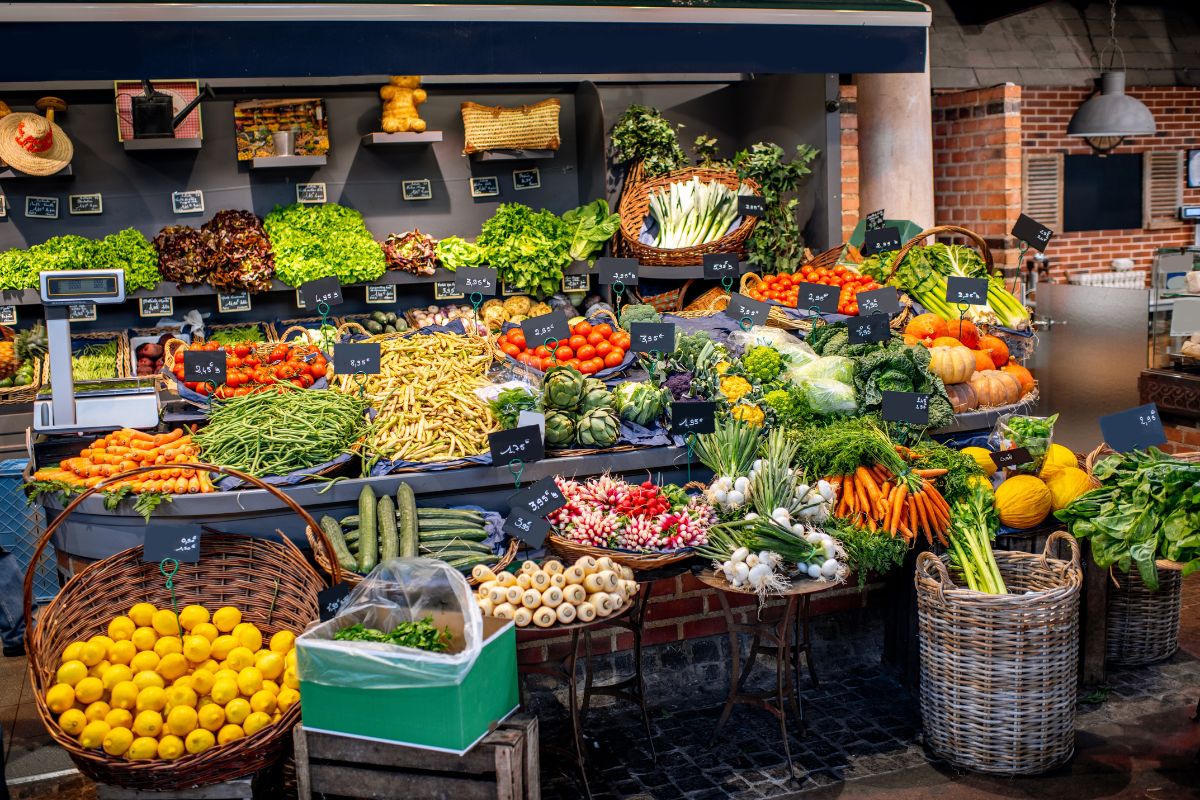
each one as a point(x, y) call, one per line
point(450, 513)
point(458, 544)
point(452, 553)
point(464, 534)
point(350, 521)
point(448, 525)
point(368, 541)
point(389, 541)
point(333, 531)
point(467, 563)
point(406, 509)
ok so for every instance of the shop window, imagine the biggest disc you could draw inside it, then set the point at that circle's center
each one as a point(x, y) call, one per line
point(1163, 192)
point(1102, 192)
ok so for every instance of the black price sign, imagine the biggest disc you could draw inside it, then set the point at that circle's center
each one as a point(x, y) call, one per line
point(331, 600)
point(647, 337)
point(351, 359)
point(1032, 233)
point(576, 283)
point(522, 444)
point(382, 293)
point(743, 308)
point(751, 205)
point(819, 296)
point(881, 240)
point(720, 265)
point(1012, 458)
point(155, 306)
point(614, 270)
point(485, 187)
point(869, 328)
point(190, 202)
point(1135, 429)
point(879, 301)
point(81, 312)
point(476, 280)
point(41, 207)
point(527, 179)
point(310, 193)
point(911, 407)
point(968, 291)
point(235, 301)
point(417, 190)
point(875, 220)
point(8, 315)
point(693, 417)
point(171, 540)
point(540, 499)
point(552, 326)
point(204, 366)
point(85, 204)
point(529, 529)
point(447, 290)
point(322, 290)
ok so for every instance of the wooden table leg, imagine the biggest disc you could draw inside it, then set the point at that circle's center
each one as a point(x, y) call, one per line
point(1095, 615)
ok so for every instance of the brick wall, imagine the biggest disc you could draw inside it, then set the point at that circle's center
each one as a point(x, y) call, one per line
point(848, 99)
point(1182, 437)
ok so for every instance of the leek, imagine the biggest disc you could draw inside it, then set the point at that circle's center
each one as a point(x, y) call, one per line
point(691, 213)
point(972, 522)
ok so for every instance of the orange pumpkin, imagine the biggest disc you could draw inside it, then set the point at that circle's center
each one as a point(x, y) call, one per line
point(909, 339)
point(946, 341)
point(995, 388)
point(1023, 376)
point(926, 327)
point(998, 349)
point(962, 397)
point(964, 331)
point(983, 360)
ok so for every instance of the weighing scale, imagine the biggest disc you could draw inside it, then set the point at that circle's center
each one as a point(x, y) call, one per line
point(63, 411)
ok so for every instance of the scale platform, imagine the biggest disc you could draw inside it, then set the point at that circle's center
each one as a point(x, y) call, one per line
point(101, 410)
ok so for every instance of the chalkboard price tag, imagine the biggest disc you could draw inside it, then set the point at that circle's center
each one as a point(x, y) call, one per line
point(1134, 429)
point(331, 600)
point(447, 290)
point(204, 366)
point(485, 187)
point(881, 240)
point(911, 407)
point(310, 193)
point(8, 315)
point(85, 204)
point(875, 220)
point(527, 179)
point(508, 290)
point(540, 499)
point(647, 337)
point(156, 306)
point(171, 540)
point(879, 301)
point(351, 359)
point(233, 302)
point(720, 265)
point(190, 202)
point(41, 207)
point(750, 205)
point(868, 328)
point(3, 206)
point(693, 417)
point(1032, 233)
point(529, 529)
point(81, 312)
point(742, 308)
point(322, 290)
point(818, 295)
point(613, 270)
point(417, 190)
point(576, 283)
point(382, 293)
point(1012, 458)
point(523, 444)
point(548, 326)
point(472, 280)
point(969, 291)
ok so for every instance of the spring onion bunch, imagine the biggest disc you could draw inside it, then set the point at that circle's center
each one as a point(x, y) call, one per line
point(691, 213)
point(972, 522)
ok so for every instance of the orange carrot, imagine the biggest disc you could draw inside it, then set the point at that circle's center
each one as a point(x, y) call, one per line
point(931, 473)
point(898, 507)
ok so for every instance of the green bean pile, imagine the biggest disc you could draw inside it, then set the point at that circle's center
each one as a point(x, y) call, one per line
point(244, 333)
point(279, 431)
point(95, 361)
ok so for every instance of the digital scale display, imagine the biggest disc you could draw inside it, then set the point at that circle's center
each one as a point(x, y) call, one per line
point(99, 286)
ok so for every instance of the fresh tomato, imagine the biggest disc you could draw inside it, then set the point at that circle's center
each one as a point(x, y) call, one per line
point(541, 351)
point(564, 353)
point(278, 354)
point(595, 338)
point(241, 350)
point(598, 363)
point(583, 328)
point(576, 342)
point(319, 368)
point(603, 348)
point(619, 341)
point(575, 363)
point(585, 352)
point(517, 336)
point(604, 329)
point(511, 349)
point(614, 358)
point(587, 367)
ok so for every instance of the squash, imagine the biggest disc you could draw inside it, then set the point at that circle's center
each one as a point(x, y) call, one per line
point(999, 350)
point(983, 360)
point(995, 388)
point(1066, 484)
point(926, 327)
point(1022, 501)
point(951, 364)
point(965, 331)
point(945, 341)
point(1023, 376)
point(962, 397)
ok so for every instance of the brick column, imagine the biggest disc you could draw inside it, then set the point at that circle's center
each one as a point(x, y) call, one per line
point(848, 102)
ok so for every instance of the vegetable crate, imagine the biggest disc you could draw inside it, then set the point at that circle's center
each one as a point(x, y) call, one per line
point(20, 523)
point(1142, 625)
point(503, 766)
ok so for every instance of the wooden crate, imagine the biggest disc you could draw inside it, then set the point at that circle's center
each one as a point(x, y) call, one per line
point(239, 789)
point(504, 766)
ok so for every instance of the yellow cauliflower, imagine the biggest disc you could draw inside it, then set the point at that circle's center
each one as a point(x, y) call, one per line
point(734, 387)
point(750, 414)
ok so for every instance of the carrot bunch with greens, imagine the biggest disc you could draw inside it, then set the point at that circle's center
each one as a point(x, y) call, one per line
point(128, 449)
point(903, 502)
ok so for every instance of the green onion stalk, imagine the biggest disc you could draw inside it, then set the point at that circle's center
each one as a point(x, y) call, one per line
point(973, 521)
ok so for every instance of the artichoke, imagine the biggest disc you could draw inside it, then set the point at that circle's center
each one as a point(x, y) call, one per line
point(639, 403)
point(560, 429)
point(595, 395)
point(597, 428)
point(562, 389)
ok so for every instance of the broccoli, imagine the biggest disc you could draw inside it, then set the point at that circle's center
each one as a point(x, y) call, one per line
point(638, 312)
point(679, 384)
point(763, 363)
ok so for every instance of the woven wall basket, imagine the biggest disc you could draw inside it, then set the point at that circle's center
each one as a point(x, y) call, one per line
point(532, 127)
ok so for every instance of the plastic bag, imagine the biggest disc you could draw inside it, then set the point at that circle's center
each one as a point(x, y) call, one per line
point(797, 350)
point(838, 368)
point(396, 591)
point(827, 396)
point(1035, 434)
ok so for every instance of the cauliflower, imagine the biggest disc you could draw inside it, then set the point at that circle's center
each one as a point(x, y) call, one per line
point(780, 401)
point(749, 413)
point(735, 387)
point(763, 363)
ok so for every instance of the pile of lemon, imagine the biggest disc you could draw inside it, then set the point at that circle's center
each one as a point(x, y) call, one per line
point(145, 692)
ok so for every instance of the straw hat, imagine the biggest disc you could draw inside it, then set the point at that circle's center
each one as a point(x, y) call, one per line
point(34, 144)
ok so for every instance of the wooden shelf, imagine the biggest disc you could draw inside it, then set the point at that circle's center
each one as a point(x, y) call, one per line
point(408, 139)
point(512, 155)
point(287, 162)
point(691, 271)
point(132, 145)
point(66, 172)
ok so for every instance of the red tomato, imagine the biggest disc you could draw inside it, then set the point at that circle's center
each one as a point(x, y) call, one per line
point(517, 336)
point(319, 368)
point(179, 355)
point(603, 348)
point(604, 329)
point(587, 367)
point(241, 350)
point(619, 340)
point(510, 349)
point(598, 363)
point(576, 342)
point(574, 362)
point(586, 352)
point(614, 358)
point(853, 308)
point(595, 338)
point(564, 353)
point(583, 328)
point(540, 351)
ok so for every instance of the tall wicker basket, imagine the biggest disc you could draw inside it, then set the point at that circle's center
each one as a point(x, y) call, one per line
point(1142, 625)
point(999, 672)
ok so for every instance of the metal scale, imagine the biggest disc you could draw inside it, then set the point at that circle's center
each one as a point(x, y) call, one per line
point(63, 411)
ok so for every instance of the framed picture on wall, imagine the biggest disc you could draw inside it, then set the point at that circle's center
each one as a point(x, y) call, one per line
point(1193, 169)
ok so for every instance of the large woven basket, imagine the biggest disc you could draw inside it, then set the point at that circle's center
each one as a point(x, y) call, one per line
point(533, 127)
point(1142, 625)
point(271, 583)
point(999, 672)
point(635, 561)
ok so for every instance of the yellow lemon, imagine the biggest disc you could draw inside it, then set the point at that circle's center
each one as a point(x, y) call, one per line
point(93, 735)
point(237, 710)
point(240, 657)
point(172, 666)
point(230, 733)
point(202, 681)
point(283, 641)
point(271, 686)
point(226, 672)
point(99, 670)
point(124, 695)
point(148, 723)
point(256, 722)
point(211, 717)
point(269, 663)
point(148, 678)
point(290, 679)
point(287, 698)
point(185, 680)
point(121, 628)
point(117, 673)
point(60, 697)
point(166, 645)
point(221, 647)
point(102, 640)
point(196, 649)
point(165, 622)
point(122, 652)
point(118, 718)
point(223, 690)
point(249, 636)
point(118, 740)
point(263, 700)
point(199, 740)
point(89, 690)
point(97, 710)
point(142, 614)
point(290, 658)
point(181, 696)
point(249, 681)
point(72, 721)
point(207, 630)
point(145, 661)
point(191, 616)
point(170, 748)
point(71, 652)
point(144, 638)
point(143, 748)
point(93, 652)
point(181, 720)
point(226, 618)
point(210, 666)
point(71, 673)
point(152, 698)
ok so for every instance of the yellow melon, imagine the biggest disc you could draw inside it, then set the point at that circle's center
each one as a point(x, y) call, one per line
point(1066, 484)
point(1022, 501)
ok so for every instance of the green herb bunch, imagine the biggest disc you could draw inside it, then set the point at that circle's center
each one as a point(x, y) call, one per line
point(643, 134)
point(777, 244)
point(319, 241)
point(422, 634)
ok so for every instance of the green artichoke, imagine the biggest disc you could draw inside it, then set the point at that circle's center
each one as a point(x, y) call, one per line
point(595, 395)
point(597, 428)
point(560, 429)
point(639, 403)
point(562, 389)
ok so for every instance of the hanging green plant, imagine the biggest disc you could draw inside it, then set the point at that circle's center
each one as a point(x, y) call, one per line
point(776, 244)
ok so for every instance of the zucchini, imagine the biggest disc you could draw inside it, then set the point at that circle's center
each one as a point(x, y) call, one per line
point(471, 534)
point(406, 510)
point(450, 513)
point(389, 541)
point(447, 525)
point(368, 540)
point(333, 531)
point(452, 553)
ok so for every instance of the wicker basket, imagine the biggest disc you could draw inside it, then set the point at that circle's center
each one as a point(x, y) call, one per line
point(121, 368)
point(1142, 626)
point(842, 254)
point(267, 329)
point(635, 561)
point(671, 300)
point(635, 203)
point(999, 672)
point(532, 127)
point(18, 395)
point(272, 584)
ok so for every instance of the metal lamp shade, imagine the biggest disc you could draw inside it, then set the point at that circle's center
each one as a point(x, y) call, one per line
point(1112, 112)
